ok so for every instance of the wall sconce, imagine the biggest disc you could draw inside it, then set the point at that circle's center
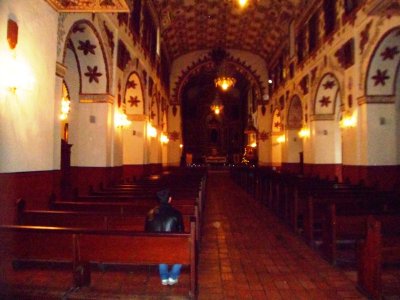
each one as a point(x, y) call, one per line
point(348, 121)
point(164, 139)
point(14, 74)
point(65, 108)
point(281, 139)
point(181, 146)
point(304, 132)
point(121, 120)
point(151, 131)
point(253, 145)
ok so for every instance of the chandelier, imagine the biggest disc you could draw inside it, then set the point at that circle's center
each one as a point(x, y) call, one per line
point(224, 82)
point(224, 79)
point(217, 105)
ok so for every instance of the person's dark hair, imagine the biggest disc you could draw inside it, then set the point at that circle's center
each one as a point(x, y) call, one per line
point(163, 195)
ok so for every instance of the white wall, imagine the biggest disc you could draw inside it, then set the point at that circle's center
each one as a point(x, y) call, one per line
point(27, 119)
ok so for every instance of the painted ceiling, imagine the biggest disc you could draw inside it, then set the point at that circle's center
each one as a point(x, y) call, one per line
point(190, 25)
point(89, 5)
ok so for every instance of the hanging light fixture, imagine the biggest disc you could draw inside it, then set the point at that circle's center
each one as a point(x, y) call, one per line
point(217, 105)
point(224, 79)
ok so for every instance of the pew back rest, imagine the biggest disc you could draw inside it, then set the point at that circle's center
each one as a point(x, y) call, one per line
point(37, 243)
point(135, 248)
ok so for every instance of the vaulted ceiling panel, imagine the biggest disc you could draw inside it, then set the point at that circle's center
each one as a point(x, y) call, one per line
point(207, 24)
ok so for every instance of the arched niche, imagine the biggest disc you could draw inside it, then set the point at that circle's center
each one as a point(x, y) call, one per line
point(384, 65)
point(134, 95)
point(87, 49)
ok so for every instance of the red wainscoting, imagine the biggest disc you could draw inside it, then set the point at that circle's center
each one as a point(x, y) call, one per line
point(383, 177)
point(34, 187)
point(84, 177)
point(323, 171)
point(131, 172)
point(292, 168)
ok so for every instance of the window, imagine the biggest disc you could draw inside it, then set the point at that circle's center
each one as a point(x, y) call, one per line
point(350, 6)
point(330, 16)
point(149, 38)
point(313, 32)
point(164, 69)
point(300, 46)
point(135, 17)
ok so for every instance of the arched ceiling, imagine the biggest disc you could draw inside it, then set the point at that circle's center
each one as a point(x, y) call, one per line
point(190, 25)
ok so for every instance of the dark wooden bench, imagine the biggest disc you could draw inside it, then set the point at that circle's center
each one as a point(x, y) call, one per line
point(380, 247)
point(95, 220)
point(347, 229)
point(113, 207)
point(81, 247)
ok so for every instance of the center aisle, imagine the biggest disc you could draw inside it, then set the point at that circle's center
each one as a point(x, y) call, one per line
point(246, 253)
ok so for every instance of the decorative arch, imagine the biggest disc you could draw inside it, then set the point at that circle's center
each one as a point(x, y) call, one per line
point(384, 65)
point(328, 92)
point(133, 99)
point(295, 113)
point(85, 42)
point(206, 64)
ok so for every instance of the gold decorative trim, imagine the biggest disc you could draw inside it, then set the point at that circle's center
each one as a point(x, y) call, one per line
point(327, 117)
point(376, 100)
point(96, 98)
point(140, 118)
point(92, 6)
point(61, 70)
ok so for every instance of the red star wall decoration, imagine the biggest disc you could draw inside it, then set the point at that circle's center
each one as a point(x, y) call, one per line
point(174, 136)
point(380, 77)
point(390, 53)
point(133, 101)
point(325, 101)
point(93, 74)
point(86, 47)
point(277, 124)
point(131, 84)
point(328, 85)
point(152, 115)
point(263, 136)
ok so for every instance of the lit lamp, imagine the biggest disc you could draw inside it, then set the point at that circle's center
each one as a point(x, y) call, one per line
point(304, 132)
point(164, 139)
point(121, 120)
point(348, 121)
point(224, 79)
point(217, 106)
point(14, 74)
point(65, 108)
point(151, 131)
point(224, 82)
point(242, 3)
point(281, 139)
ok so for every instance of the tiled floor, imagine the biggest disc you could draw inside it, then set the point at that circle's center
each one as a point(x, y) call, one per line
point(246, 253)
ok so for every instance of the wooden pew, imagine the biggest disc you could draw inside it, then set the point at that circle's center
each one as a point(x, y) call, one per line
point(348, 200)
point(113, 207)
point(348, 228)
point(95, 220)
point(381, 246)
point(81, 247)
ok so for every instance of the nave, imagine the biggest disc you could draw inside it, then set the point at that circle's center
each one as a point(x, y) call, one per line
point(246, 253)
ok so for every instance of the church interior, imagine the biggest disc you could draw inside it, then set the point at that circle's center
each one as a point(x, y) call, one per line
point(265, 118)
